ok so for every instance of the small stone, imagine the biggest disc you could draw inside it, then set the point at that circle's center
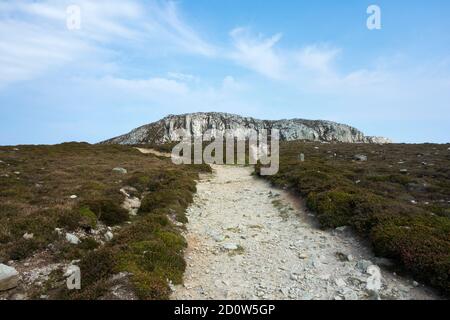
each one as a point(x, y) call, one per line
point(342, 229)
point(303, 256)
point(340, 282)
point(230, 246)
point(415, 284)
point(9, 277)
point(350, 295)
point(71, 238)
point(373, 285)
point(284, 291)
point(363, 265)
point(109, 236)
point(120, 170)
point(73, 197)
point(344, 257)
point(28, 236)
point(218, 237)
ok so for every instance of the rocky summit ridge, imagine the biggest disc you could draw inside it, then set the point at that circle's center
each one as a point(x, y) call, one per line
point(165, 130)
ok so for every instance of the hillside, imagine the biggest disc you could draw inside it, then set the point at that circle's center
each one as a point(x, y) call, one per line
point(110, 210)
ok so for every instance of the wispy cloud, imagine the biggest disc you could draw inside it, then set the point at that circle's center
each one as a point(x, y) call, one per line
point(34, 38)
point(317, 58)
point(257, 53)
point(144, 87)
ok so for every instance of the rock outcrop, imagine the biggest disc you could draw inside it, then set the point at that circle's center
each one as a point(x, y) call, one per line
point(164, 131)
point(9, 277)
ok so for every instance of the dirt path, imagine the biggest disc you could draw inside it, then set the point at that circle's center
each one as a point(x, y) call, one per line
point(248, 240)
point(154, 152)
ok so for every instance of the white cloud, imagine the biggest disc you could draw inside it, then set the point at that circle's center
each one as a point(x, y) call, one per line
point(257, 53)
point(145, 87)
point(230, 84)
point(167, 22)
point(317, 58)
point(34, 38)
point(182, 76)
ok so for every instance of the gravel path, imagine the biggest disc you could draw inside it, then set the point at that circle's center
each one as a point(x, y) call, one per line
point(248, 240)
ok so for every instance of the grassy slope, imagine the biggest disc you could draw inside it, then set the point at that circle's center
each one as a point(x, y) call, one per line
point(405, 215)
point(36, 183)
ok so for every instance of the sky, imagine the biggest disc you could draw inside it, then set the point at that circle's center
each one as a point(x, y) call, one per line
point(126, 63)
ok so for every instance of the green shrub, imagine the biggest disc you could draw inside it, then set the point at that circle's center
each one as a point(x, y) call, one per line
point(97, 266)
point(89, 219)
point(22, 249)
point(420, 243)
point(108, 211)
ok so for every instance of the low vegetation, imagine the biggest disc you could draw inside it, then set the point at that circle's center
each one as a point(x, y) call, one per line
point(46, 191)
point(398, 198)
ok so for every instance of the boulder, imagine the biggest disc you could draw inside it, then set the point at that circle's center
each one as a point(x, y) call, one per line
point(132, 205)
point(109, 236)
point(28, 236)
point(71, 238)
point(120, 170)
point(9, 277)
point(360, 157)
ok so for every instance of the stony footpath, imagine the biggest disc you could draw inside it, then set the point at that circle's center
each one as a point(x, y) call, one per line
point(248, 240)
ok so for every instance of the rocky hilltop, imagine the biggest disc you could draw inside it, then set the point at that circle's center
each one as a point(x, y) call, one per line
point(164, 130)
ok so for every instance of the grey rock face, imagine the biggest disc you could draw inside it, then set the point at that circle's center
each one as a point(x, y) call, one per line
point(197, 124)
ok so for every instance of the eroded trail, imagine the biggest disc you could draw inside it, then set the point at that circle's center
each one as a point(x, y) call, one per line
point(248, 240)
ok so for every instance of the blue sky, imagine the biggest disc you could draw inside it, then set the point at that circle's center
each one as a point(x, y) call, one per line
point(133, 62)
